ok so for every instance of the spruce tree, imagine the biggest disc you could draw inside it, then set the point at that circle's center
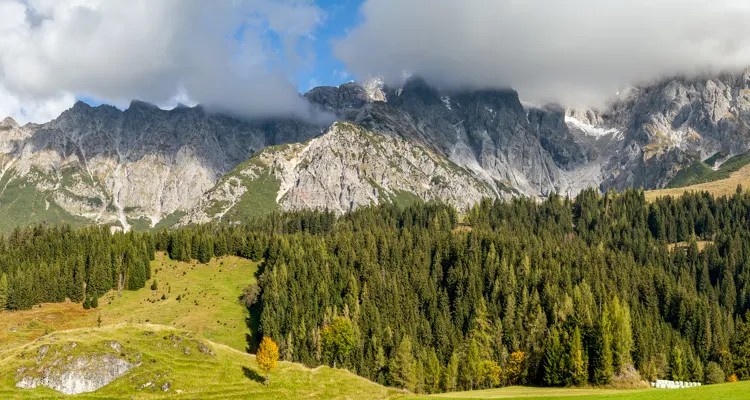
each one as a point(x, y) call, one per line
point(578, 363)
point(602, 367)
point(432, 372)
point(403, 366)
point(450, 375)
point(677, 365)
point(3, 292)
point(554, 364)
point(622, 335)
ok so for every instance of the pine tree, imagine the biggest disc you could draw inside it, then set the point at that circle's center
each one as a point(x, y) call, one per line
point(554, 364)
point(741, 349)
point(403, 366)
point(602, 372)
point(714, 374)
point(450, 375)
point(677, 365)
point(578, 364)
point(469, 372)
point(432, 372)
point(3, 292)
point(622, 335)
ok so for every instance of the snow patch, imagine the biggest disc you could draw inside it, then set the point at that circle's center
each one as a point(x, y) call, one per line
point(591, 130)
point(447, 101)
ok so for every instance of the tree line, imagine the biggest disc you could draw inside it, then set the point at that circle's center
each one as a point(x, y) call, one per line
point(560, 292)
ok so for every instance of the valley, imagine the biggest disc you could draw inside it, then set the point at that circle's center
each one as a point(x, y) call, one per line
point(374, 200)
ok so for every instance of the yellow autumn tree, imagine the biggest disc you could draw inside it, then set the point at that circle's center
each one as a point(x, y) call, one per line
point(267, 356)
point(514, 369)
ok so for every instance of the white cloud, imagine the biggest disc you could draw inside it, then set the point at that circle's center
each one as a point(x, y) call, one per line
point(550, 50)
point(158, 51)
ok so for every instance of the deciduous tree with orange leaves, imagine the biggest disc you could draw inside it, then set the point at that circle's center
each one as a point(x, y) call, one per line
point(267, 356)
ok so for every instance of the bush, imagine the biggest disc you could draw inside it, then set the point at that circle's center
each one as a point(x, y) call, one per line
point(154, 285)
point(732, 378)
point(86, 304)
point(714, 374)
point(250, 294)
point(94, 302)
point(164, 297)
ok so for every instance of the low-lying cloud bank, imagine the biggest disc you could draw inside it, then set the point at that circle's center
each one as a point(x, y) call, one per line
point(569, 51)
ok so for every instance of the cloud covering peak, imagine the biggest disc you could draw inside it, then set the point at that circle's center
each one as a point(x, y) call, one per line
point(212, 52)
point(569, 51)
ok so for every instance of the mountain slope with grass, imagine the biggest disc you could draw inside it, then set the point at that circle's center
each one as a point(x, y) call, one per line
point(166, 362)
point(725, 184)
point(185, 338)
point(706, 171)
point(346, 168)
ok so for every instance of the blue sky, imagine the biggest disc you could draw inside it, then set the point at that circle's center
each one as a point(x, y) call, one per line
point(341, 15)
point(320, 67)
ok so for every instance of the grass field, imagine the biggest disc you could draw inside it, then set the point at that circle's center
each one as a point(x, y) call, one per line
point(727, 391)
point(227, 374)
point(702, 172)
point(722, 187)
point(208, 304)
point(208, 311)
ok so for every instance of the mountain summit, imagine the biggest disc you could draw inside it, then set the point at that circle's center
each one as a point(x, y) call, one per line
point(146, 167)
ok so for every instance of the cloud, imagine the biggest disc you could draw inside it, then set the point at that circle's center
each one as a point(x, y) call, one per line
point(212, 52)
point(571, 51)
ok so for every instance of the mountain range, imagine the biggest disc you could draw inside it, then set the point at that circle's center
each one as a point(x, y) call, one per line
point(146, 167)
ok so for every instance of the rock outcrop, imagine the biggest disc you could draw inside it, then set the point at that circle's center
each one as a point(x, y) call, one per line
point(81, 374)
point(141, 164)
point(346, 168)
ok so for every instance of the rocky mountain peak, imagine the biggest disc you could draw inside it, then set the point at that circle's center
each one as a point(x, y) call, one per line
point(143, 106)
point(8, 123)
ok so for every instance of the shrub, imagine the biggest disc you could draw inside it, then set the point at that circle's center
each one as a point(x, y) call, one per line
point(250, 294)
point(154, 285)
point(714, 374)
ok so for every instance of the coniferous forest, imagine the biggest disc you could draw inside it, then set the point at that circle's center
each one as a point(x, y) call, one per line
point(592, 290)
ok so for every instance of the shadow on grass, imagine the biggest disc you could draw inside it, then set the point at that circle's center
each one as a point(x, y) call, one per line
point(252, 322)
point(252, 374)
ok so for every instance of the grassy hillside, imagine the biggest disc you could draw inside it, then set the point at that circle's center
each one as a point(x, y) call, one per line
point(720, 187)
point(227, 374)
point(208, 311)
point(702, 172)
point(728, 391)
point(208, 304)
point(21, 204)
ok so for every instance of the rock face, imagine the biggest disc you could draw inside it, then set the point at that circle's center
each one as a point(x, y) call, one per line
point(112, 166)
point(144, 165)
point(346, 168)
point(672, 123)
point(82, 374)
